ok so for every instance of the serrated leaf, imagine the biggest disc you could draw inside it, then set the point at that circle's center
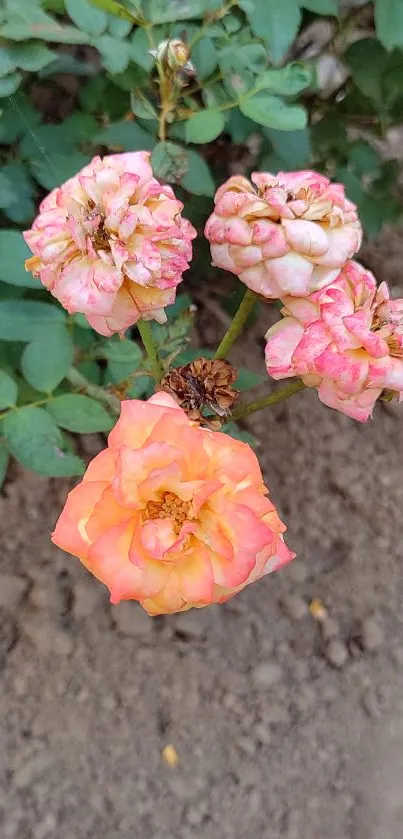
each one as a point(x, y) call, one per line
point(389, 23)
point(7, 63)
point(119, 27)
point(128, 135)
point(46, 361)
point(204, 57)
point(46, 30)
point(247, 379)
point(8, 391)
point(273, 112)
point(55, 168)
point(9, 84)
point(36, 442)
point(141, 106)
point(367, 59)
point(277, 22)
point(16, 114)
point(115, 53)
point(124, 358)
point(26, 320)
point(198, 179)
point(286, 81)
point(79, 413)
point(292, 147)
point(159, 11)
point(13, 253)
point(140, 49)
point(169, 161)
point(204, 126)
point(86, 16)
point(32, 57)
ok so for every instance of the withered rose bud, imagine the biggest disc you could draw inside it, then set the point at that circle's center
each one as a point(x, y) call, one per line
point(203, 383)
point(173, 55)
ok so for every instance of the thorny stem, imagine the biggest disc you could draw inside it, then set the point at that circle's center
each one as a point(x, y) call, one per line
point(237, 324)
point(79, 382)
point(266, 401)
point(150, 348)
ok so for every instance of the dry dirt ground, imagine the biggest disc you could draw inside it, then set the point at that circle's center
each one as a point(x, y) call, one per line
point(284, 727)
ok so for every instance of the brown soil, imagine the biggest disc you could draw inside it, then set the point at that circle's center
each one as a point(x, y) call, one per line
point(284, 727)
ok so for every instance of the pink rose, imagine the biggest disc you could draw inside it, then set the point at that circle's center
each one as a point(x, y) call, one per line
point(288, 233)
point(111, 243)
point(345, 339)
point(171, 514)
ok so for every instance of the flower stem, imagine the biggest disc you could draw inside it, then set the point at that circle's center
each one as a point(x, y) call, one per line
point(150, 348)
point(237, 324)
point(78, 381)
point(266, 401)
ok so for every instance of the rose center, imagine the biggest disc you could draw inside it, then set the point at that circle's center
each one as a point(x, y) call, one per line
point(170, 507)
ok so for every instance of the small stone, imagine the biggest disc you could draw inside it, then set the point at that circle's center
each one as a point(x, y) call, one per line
point(294, 607)
point(47, 636)
point(247, 745)
point(336, 653)
point(194, 623)
point(87, 598)
point(197, 812)
point(371, 634)
point(329, 629)
point(266, 675)
point(131, 619)
point(263, 733)
point(31, 769)
point(12, 590)
point(8, 635)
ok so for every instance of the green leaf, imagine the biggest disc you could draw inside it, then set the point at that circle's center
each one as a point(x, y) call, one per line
point(120, 28)
point(128, 135)
point(233, 430)
point(8, 391)
point(159, 11)
point(15, 116)
point(54, 169)
point(79, 413)
point(86, 16)
point(141, 106)
point(13, 253)
point(198, 179)
point(32, 56)
point(286, 81)
point(389, 22)
point(115, 53)
point(36, 442)
point(124, 358)
point(204, 57)
point(47, 360)
point(22, 207)
point(4, 458)
point(277, 22)
point(273, 112)
point(247, 379)
point(7, 194)
point(367, 60)
point(115, 8)
point(364, 158)
point(204, 126)
point(292, 147)
point(47, 30)
point(9, 84)
point(320, 7)
point(140, 49)
point(169, 161)
point(7, 63)
point(26, 320)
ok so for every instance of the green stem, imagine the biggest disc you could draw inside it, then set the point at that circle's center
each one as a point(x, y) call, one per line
point(78, 381)
point(150, 348)
point(237, 324)
point(266, 401)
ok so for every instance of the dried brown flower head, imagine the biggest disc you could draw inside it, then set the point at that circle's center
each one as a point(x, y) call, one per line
point(203, 382)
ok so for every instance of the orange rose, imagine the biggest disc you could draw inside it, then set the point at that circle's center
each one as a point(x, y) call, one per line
point(171, 514)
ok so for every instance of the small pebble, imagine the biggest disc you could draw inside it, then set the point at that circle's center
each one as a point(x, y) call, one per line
point(267, 674)
point(194, 623)
point(329, 629)
point(12, 590)
point(336, 653)
point(47, 636)
point(131, 619)
point(294, 607)
point(371, 634)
